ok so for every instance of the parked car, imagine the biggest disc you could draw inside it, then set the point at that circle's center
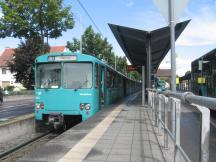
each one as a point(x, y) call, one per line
point(161, 85)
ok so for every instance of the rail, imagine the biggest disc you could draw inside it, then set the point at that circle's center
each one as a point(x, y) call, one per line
point(166, 108)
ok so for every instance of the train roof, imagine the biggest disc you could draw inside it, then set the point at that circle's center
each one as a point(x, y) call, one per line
point(187, 76)
point(43, 57)
point(207, 57)
point(83, 57)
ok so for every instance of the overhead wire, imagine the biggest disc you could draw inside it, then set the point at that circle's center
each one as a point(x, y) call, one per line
point(78, 19)
point(76, 16)
point(89, 16)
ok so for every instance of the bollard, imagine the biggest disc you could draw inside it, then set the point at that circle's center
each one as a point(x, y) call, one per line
point(156, 109)
point(173, 117)
point(159, 113)
point(177, 127)
point(174, 103)
point(170, 106)
point(149, 98)
point(165, 123)
point(153, 105)
point(205, 133)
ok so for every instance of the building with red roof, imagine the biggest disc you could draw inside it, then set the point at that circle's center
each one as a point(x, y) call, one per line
point(6, 77)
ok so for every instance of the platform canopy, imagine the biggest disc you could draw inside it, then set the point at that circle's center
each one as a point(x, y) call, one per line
point(135, 43)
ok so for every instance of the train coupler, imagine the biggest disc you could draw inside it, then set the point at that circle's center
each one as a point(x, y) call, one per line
point(57, 119)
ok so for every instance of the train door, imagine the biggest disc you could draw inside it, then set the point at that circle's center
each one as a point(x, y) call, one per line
point(101, 87)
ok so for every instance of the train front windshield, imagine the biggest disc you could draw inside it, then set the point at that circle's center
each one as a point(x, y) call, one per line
point(70, 76)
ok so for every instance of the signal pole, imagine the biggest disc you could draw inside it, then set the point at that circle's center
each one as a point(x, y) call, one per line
point(172, 41)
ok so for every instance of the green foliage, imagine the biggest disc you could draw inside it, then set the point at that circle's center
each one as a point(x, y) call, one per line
point(33, 18)
point(135, 75)
point(9, 88)
point(23, 61)
point(22, 92)
point(121, 64)
point(92, 43)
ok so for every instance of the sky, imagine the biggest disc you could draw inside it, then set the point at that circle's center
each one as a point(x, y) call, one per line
point(198, 38)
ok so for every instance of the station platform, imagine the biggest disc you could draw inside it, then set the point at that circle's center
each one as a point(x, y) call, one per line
point(122, 133)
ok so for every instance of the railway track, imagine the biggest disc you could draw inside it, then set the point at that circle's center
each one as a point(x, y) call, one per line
point(19, 151)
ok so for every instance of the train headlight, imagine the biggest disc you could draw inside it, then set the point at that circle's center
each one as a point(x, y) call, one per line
point(42, 105)
point(39, 105)
point(87, 106)
point(82, 106)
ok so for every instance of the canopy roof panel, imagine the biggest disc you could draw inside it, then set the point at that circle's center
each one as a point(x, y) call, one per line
point(134, 43)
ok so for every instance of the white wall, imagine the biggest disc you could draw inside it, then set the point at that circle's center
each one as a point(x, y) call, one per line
point(8, 77)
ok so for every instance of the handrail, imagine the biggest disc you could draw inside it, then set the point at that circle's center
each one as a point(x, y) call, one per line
point(171, 101)
point(189, 97)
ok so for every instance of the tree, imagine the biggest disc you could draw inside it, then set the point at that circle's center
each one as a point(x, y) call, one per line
point(94, 44)
point(32, 21)
point(23, 61)
point(135, 75)
point(28, 19)
point(121, 64)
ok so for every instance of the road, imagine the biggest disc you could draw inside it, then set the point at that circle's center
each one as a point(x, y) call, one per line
point(190, 133)
point(11, 109)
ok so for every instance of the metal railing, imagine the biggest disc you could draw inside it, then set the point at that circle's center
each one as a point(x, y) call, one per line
point(166, 108)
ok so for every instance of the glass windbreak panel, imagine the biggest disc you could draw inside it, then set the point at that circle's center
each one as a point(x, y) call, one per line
point(49, 75)
point(77, 75)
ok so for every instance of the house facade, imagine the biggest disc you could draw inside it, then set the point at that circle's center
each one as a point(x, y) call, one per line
point(6, 77)
point(164, 74)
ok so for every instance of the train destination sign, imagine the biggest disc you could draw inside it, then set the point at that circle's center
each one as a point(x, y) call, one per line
point(62, 58)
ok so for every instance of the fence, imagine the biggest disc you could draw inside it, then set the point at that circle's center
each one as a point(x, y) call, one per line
point(166, 108)
point(23, 92)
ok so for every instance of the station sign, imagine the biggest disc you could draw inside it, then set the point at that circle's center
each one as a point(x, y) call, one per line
point(201, 80)
point(177, 80)
point(131, 68)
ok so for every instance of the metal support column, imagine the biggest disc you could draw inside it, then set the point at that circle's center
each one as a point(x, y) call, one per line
point(149, 61)
point(143, 85)
point(172, 40)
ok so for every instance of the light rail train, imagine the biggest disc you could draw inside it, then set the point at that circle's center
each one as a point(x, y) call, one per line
point(71, 86)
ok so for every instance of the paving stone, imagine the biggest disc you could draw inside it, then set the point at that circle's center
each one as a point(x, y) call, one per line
point(117, 146)
point(118, 158)
point(120, 151)
point(142, 159)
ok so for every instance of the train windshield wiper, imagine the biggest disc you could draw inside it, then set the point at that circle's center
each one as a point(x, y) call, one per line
point(46, 83)
point(86, 81)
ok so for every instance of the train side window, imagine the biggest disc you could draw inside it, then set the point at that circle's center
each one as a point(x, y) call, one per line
point(108, 75)
point(110, 79)
point(113, 80)
point(116, 81)
point(96, 75)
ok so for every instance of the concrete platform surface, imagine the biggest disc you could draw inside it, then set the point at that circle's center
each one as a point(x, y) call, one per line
point(120, 134)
